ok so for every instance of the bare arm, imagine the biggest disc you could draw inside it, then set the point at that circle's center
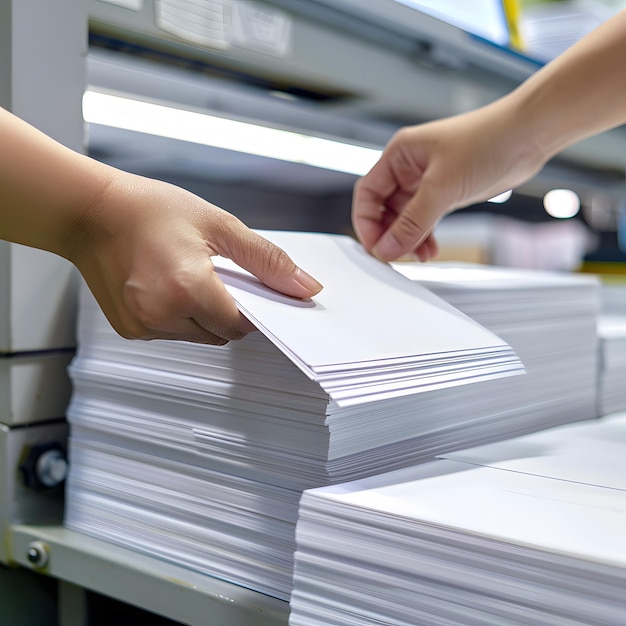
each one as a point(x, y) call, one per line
point(429, 170)
point(44, 187)
point(580, 93)
point(142, 245)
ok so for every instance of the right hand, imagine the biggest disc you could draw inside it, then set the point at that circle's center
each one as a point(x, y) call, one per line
point(429, 170)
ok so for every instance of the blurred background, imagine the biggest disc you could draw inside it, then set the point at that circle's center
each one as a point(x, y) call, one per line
point(341, 76)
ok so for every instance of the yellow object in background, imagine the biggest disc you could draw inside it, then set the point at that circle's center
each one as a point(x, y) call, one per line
point(512, 11)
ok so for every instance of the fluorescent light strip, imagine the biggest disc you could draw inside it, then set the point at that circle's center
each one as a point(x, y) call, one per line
point(165, 121)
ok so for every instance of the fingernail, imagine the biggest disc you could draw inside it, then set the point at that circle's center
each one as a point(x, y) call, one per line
point(307, 281)
point(387, 249)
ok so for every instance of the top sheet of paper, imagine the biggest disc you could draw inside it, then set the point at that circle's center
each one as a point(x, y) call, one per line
point(591, 452)
point(366, 313)
point(572, 519)
point(486, 277)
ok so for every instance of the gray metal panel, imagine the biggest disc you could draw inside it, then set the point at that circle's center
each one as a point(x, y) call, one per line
point(145, 582)
point(43, 47)
point(18, 503)
point(34, 387)
point(48, 46)
point(362, 72)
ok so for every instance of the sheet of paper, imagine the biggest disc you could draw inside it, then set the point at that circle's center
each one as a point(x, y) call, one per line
point(591, 452)
point(366, 312)
point(571, 519)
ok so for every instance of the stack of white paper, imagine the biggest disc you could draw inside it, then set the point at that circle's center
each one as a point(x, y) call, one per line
point(550, 320)
point(613, 296)
point(370, 334)
point(612, 336)
point(199, 454)
point(528, 531)
point(612, 372)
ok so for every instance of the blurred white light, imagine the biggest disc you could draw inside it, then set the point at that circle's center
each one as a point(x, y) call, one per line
point(561, 203)
point(501, 197)
point(166, 121)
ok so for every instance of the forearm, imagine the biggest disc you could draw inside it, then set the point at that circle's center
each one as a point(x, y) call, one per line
point(579, 94)
point(46, 188)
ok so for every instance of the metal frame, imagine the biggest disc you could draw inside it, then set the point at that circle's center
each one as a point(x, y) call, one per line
point(80, 562)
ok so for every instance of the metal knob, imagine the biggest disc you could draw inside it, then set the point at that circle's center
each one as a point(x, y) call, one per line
point(44, 466)
point(51, 467)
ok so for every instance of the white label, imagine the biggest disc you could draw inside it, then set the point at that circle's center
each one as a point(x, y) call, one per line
point(259, 27)
point(203, 22)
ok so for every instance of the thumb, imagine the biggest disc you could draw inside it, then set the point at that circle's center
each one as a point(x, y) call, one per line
point(413, 225)
point(270, 264)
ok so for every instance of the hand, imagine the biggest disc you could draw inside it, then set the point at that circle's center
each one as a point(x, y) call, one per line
point(144, 250)
point(429, 170)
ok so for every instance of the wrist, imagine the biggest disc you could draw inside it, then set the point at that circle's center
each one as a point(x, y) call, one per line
point(84, 224)
point(513, 145)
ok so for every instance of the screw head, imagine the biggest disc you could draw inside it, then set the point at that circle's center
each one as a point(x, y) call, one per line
point(37, 553)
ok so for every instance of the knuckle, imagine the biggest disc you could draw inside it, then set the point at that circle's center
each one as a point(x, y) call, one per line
point(224, 224)
point(153, 310)
point(403, 134)
point(132, 329)
point(147, 321)
point(277, 262)
point(408, 226)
